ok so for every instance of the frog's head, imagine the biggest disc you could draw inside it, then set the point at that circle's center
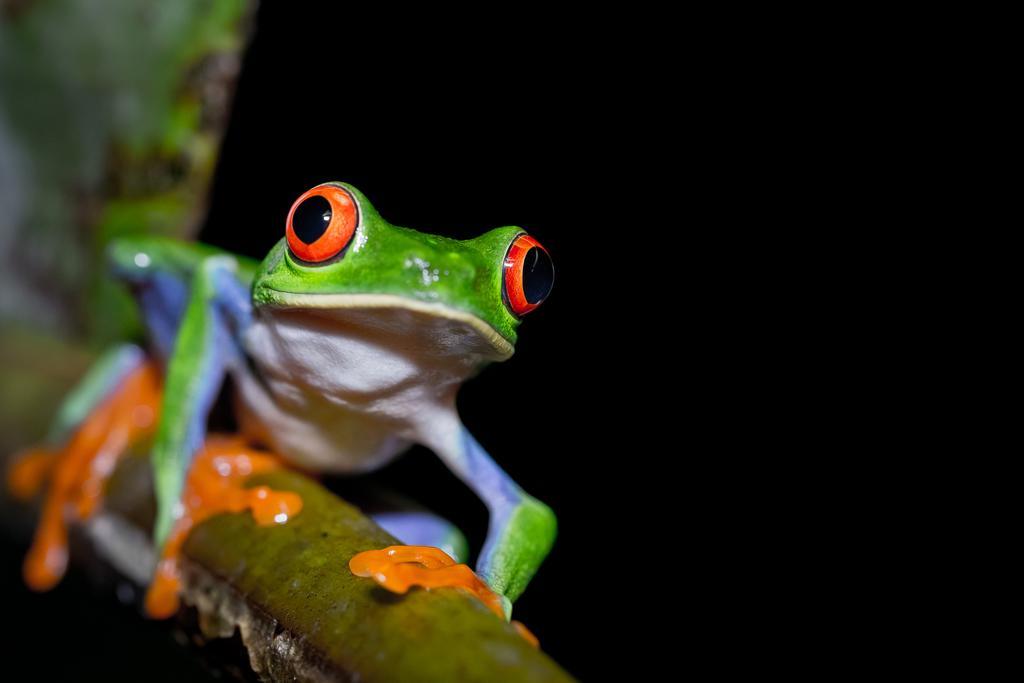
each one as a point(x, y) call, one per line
point(341, 260)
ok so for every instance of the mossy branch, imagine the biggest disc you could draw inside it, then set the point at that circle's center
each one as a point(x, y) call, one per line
point(287, 589)
point(301, 613)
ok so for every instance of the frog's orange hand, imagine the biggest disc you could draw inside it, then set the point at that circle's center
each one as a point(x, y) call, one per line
point(78, 472)
point(215, 484)
point(399, 567)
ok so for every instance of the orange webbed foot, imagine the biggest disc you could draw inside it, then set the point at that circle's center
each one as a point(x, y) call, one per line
point(215, 484)
point(75, 476)
point(29, 472)
point(399, 567)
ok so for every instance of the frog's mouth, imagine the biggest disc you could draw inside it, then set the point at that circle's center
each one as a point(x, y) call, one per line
point(450, 327)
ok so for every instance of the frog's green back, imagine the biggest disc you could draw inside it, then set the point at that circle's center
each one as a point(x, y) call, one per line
point(127, 256)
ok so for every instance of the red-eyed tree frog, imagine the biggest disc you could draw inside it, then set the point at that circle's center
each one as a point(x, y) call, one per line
point(345, 346)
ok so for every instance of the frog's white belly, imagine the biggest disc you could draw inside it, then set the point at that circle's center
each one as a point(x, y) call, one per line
point(346, 392)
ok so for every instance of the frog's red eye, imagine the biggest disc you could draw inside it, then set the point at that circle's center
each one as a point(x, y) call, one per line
point(321, 223)
point(529, 275)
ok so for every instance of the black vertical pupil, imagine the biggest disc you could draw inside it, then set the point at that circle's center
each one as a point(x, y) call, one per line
point(311, 219)
point(538, 275)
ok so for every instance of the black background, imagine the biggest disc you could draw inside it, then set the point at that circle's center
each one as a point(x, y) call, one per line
point(534, 125)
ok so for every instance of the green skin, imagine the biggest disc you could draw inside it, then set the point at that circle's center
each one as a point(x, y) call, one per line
point(430, 306)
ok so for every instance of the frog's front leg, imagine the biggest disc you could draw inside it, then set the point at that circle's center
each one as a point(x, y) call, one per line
point(205, 348)
point(519, 536)
point(521, 529)
point(216, 483)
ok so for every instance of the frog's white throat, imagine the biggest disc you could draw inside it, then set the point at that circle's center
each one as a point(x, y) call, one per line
point(347, 388)
point(366, 358)
point(458, 331)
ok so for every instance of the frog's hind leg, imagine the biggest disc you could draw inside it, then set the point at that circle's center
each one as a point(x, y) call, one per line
point(414, 525)
point(114, 406)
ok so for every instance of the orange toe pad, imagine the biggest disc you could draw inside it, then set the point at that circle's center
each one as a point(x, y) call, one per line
point(75, 475)
point(399, 567)
point(215, 484)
